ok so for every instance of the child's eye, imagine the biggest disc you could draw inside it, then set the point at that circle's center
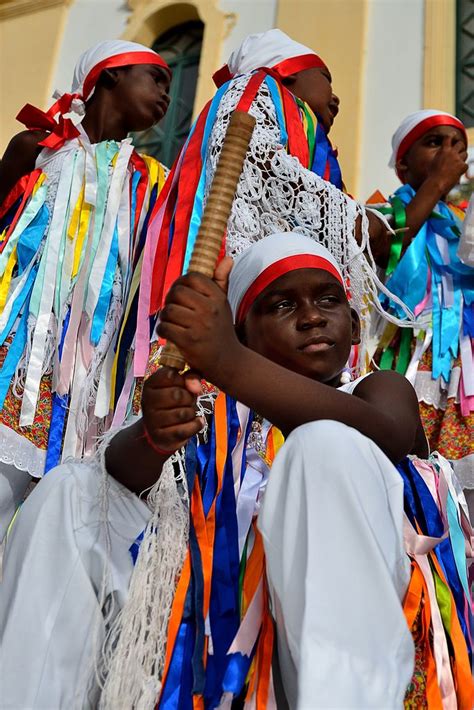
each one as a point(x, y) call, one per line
point(280, 305)
point(330, 297)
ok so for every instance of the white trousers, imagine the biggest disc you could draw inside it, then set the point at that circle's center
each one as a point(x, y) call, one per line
point(331, 522)
point(332, 528)
point(51, 623)
point(13, 487)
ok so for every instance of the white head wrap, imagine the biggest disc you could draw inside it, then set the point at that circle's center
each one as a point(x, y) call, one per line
point(110, 53)
point(270, 49)
point(107, 54)
point(415, 125)
point(268, 259)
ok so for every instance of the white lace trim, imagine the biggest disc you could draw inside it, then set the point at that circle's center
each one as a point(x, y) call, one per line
point(20, 452)
point(434, 392)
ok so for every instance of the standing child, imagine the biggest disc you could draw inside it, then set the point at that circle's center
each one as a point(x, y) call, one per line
point(75, 202)
point(425, 271)
point(197, 625)
point(291, 177)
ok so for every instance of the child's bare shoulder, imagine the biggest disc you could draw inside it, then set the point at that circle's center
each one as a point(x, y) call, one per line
point(27, 140)
point(19, 158)
point(387, 385)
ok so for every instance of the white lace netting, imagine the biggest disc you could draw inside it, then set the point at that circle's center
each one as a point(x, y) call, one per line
point(136, 643)
point(276, 194)
point(133, 655)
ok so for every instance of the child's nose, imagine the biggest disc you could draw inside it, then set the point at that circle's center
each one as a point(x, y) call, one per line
point(310, 317)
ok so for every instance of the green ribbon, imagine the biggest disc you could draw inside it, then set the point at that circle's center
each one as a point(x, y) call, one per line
point(243, 565)
point(311, 135)
point(400, 219)
point(404, 351)
point(443, 598)
point(386, 361)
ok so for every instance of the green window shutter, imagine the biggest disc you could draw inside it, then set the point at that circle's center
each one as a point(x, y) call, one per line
point(465, 61)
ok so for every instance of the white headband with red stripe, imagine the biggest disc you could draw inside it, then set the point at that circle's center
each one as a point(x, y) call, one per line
point(272, 49)
point(105, 55)
point(415, 125)
point(268, 259)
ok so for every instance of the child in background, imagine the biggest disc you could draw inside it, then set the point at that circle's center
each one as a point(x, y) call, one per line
point(75, 202)
point(291, 179)
point(425, 271)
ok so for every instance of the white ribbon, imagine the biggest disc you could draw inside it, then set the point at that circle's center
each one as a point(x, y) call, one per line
point(50, 259)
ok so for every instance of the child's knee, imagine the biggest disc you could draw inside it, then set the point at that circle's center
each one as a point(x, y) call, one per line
point(324, 438)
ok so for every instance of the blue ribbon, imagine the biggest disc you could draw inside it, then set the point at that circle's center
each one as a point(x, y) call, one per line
point(198, 205)
point(177, 691)
point(410, 279)
point(421, 507)
point(277, 102)
point(236, 673)
point(20, 302)
point(103, 302)
point(27, 248)
point(324, 153)
point(15, 351)
point(224, 606)
point(58, 414)
point(30, 239)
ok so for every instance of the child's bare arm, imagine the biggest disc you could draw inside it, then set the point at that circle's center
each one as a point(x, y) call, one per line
point(19, 159)
point(197, 318)
point(445, 172)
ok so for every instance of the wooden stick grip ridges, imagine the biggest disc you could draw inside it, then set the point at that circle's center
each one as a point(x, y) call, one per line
point(217, 210)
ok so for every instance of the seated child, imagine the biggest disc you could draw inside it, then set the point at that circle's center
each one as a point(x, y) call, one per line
point(326, 562)
point(425, 270)
point(75, 199)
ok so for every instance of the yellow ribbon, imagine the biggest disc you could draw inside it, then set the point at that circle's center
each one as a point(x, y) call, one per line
point(6, 279)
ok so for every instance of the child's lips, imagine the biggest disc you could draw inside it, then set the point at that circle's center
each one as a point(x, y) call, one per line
point(162, 107)
point(317, 345)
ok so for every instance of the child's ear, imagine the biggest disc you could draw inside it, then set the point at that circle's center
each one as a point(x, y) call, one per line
point(289, 80)
point(110, 77)
point(355, 321)
point(240, 332)
point(402, 169)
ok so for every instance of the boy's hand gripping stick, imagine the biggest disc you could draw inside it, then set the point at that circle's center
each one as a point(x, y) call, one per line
point(217, 210)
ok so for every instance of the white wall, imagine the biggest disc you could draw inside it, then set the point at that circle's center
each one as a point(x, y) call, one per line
point(394, 64)
point(252, 16)
point(393, 85)
point(88, 22)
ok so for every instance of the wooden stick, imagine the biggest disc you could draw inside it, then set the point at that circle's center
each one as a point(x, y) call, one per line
point(217, 210)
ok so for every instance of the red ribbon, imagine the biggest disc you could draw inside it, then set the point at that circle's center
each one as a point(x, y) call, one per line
point(61, 130)
point(168, 267)
point(121, 60)
point(285, 68)
point(26, 183)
